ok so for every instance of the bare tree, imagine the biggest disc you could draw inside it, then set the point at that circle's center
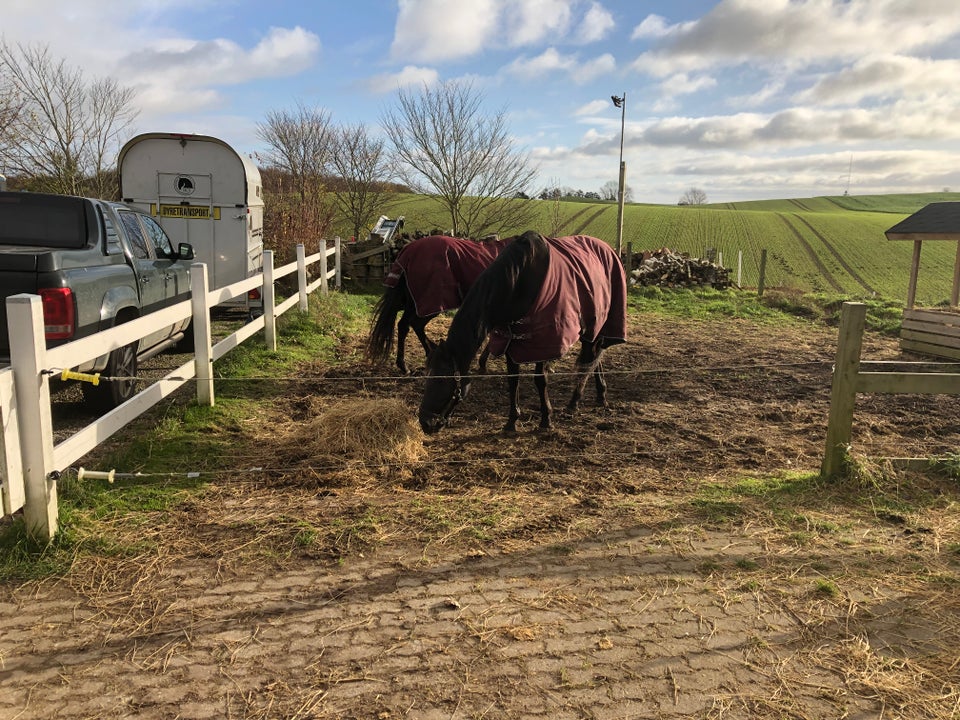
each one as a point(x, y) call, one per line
point(299, 143)
point(693, 196)
point(65, 132)
point(446, 146)
point(610, 190)
point(362, 166)
point(297, 156)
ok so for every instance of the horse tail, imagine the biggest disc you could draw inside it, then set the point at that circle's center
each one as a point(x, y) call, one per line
point(390, 304)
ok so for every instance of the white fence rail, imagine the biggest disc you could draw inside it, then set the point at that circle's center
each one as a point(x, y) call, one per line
point(29, 460)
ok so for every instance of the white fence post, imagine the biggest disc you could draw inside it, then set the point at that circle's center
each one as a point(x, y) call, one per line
point(302, 276)
point(28, 360)
point(202, 350)
point(338, 264)
point(269, 302)
point(11, 469)
point(324, 280)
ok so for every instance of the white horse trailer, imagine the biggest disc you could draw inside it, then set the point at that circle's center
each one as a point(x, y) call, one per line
point(202, 192)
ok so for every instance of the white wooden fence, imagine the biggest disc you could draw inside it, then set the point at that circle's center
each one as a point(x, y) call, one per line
point(29, 460)
point(851, 376)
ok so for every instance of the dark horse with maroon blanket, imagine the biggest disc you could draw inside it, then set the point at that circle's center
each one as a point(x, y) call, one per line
point(535, 301)
point(430, 275)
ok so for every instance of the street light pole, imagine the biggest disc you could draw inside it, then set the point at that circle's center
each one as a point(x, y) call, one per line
point(621, 102)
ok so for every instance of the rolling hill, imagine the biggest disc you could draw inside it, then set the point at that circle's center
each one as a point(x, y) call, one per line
point(832, 244)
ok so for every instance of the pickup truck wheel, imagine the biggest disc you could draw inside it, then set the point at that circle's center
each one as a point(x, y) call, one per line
point(110, 393)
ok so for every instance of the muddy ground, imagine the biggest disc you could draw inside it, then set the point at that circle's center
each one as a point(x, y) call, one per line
point(670, 556)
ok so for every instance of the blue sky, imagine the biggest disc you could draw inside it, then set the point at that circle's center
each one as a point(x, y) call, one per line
point(745, 99)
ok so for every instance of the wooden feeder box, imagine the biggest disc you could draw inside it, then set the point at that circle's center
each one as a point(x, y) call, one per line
point(931, 331)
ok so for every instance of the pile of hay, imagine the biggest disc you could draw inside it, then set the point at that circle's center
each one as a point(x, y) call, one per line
point(360, 432)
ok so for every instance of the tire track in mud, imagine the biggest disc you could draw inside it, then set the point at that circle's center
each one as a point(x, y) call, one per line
point(594, 216)
point(811, 253)
point(833, 251)
point(570, 219)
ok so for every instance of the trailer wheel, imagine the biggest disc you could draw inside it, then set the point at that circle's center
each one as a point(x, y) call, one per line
point(109, 394)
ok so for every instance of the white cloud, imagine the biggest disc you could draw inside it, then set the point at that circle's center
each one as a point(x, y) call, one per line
point(887, 76)
point(683, 84)
point(550, 61)
point(546, 62)
point(410, 75)
point(594, 107)
point(795, 32)
point(653, 26)
point(534, 21)
point(596, 23)
point(437, 30)
point(434, 31)
point(191, 64)
point(598, 67)
point(765, 94)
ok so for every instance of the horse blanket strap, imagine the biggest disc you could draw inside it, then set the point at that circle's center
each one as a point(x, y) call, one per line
point(584, 297)
point(440, 269)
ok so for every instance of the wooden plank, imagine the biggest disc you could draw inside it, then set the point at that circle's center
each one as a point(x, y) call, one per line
point(938, 339)
point(927, 328)
point(908, 366)
point(353, 256)
point(923, 348)
point(944, 317)
point(909, 383)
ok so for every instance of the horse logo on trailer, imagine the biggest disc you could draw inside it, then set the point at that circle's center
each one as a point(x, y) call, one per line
point(184, 185)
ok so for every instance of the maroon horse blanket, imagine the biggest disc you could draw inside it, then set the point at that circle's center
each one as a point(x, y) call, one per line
point(440, 269)
point(584, 296)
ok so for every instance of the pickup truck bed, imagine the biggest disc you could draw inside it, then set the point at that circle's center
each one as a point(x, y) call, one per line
point(95, 264)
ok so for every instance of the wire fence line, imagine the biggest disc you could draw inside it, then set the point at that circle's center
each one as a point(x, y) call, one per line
point(481, 376)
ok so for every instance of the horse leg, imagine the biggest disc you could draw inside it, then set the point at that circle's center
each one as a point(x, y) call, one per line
point(482, 362)
point(419, 326)
point(587, 363)
point(513, 390)
point(546, 410)
point(403, 327)
point(601, 384)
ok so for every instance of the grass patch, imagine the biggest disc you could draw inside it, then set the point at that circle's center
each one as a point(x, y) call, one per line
point(166, 461)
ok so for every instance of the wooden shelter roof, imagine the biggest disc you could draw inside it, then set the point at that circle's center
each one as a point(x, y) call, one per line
point(936, 221)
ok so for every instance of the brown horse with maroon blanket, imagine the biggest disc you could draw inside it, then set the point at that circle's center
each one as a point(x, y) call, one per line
point(535, 301)
point(430, 275)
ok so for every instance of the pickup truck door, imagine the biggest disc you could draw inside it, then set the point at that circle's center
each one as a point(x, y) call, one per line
point(158, 282)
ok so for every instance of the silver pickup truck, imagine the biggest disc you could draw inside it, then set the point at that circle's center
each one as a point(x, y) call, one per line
point(95, 264)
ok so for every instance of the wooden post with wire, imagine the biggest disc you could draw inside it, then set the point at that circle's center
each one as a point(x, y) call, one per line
point(621, 102)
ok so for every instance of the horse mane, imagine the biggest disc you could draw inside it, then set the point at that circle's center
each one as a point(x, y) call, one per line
point(502, 294)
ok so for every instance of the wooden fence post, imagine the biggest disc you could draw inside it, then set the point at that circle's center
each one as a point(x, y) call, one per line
point(202, 337)
point(28, 360)
point(843, 394)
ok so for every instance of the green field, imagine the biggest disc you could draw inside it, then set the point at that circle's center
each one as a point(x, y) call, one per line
point(830, 244)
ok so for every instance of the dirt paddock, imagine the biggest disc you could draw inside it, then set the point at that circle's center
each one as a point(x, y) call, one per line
point(670, 556)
